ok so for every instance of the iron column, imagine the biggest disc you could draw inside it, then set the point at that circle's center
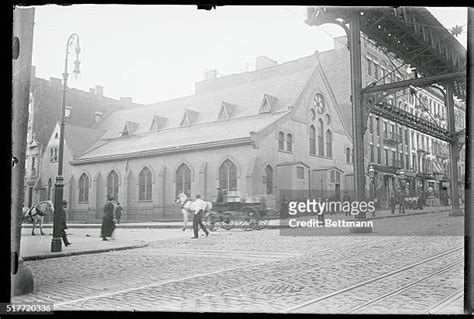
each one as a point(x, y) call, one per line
point(454, 150)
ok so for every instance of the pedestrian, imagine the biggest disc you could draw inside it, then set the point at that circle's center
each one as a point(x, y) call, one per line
point(393, 202)
point(63, 224)
point(108, 224)
point(220, 195)
point(420, 201)
point(284, 207)
point(401, 202)
point(118, 212)
point(320, 213)
point(347, 198)
point(199, 206)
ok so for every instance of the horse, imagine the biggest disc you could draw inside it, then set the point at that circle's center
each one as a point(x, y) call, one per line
point(187, 207)
point(36, 214)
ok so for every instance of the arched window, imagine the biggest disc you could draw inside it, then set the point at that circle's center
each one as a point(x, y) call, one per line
point(112, 184)
point(289, 142)
point(83, 188)
point(320, 137)
point(348, 155)
point(281, 141)
point(144, 184)
point(183, 180)
point(228, 176)
point(55, 154)
point(269, 179)
point(50, 188)
point(51, 155)
point(312, 140)
point(328, 143)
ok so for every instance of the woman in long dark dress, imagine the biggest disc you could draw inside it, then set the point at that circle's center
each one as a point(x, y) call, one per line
point(108, 224)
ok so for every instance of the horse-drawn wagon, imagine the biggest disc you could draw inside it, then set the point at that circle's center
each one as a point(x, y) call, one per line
point(236, 208)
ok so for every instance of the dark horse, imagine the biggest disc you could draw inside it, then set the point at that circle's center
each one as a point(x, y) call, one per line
point(36, 214)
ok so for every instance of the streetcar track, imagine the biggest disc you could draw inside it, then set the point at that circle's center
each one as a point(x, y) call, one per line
point(370, 280)
point(153, 285)
point(405, 287)
point(446, 302)
point(285, 255)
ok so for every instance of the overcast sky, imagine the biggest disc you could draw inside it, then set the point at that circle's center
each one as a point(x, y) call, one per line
point(155, 53)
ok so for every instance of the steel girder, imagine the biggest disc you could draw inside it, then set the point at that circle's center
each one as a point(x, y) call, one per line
point(412, 34)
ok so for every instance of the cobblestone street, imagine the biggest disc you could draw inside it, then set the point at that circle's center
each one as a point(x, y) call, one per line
point(263, 271)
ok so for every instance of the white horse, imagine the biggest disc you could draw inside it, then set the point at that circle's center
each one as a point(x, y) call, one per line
point(36, 214)
point(187, 207)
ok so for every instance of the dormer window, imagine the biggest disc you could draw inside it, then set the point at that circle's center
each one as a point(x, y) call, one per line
point(226, 111)
point(189, 117)
point(157, 123)
point(269, 104)
point(129, 128)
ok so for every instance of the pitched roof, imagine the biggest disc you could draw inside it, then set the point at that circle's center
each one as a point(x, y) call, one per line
point(78, 138)
point(244, 91)
point(233, 129)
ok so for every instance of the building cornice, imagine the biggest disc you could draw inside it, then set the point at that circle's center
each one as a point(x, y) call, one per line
point(164, 151)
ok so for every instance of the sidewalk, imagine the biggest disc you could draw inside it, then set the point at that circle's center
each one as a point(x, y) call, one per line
point(39, 247)
point(273, 224)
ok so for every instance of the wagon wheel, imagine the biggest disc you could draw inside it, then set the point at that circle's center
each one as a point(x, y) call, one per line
point(250, 217)
point(210, 221)
point(262, 221)
point(227, 221)
point(262, 224)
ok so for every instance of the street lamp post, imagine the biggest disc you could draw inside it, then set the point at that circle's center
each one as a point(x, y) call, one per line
point(372, 174)
point(72, 41)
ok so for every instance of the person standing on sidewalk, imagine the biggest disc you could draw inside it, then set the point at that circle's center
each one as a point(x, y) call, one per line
point(401, 200)
point(284, 207)
point(393, 203)
point(62, 213)
point(347, 198)
point(108, 225)
point(199, 206)
point(118, 212)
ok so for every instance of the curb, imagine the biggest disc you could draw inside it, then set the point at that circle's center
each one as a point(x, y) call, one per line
point(86, 252)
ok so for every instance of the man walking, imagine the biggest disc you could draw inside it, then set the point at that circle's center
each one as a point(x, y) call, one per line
point(63, 224)
point(199, 206)
point(108, 225)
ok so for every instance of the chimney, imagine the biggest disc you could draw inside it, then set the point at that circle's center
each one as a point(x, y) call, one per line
point(99, 90)
point(210, 75)
point(263, 62)
point(91, 91)
point(55, 83)
point(125, 101)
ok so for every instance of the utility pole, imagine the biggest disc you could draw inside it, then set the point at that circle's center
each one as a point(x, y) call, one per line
point(23, 22)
